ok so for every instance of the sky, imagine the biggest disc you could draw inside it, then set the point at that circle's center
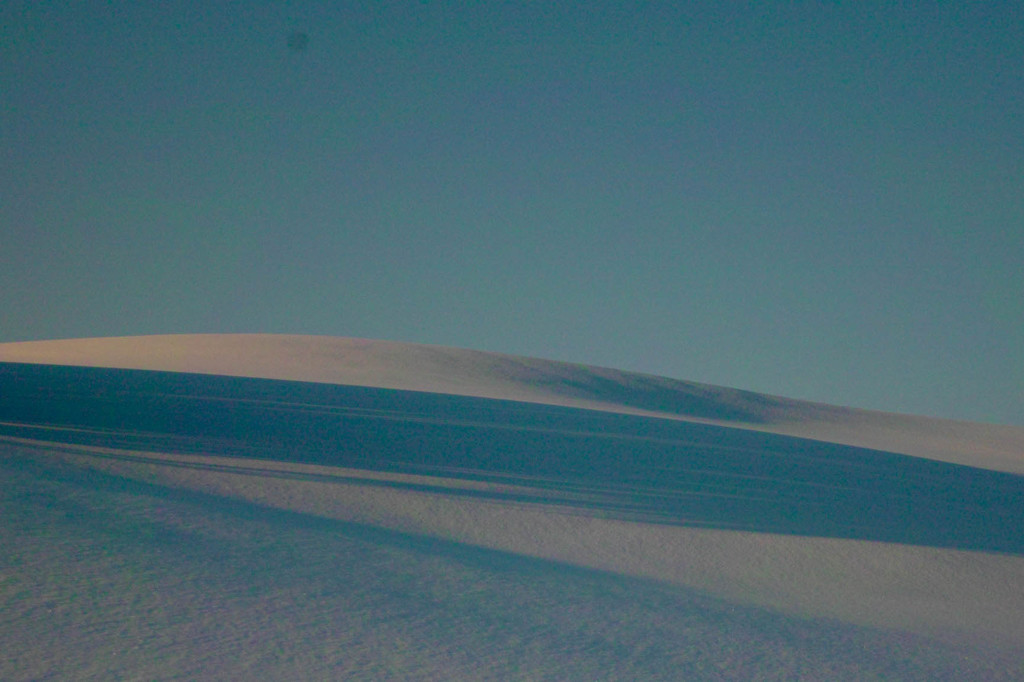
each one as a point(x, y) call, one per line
point(817, 200)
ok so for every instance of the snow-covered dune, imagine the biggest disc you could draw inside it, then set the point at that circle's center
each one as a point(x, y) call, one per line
point(893, 536)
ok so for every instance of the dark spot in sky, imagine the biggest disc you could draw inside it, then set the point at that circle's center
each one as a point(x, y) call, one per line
point(297, 41)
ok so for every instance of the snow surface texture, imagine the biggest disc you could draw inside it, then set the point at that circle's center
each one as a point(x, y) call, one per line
point(391, 524)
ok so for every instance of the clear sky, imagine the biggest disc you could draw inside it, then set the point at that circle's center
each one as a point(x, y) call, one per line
point(819, 200)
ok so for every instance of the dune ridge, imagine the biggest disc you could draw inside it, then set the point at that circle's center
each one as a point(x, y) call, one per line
point(440, 369)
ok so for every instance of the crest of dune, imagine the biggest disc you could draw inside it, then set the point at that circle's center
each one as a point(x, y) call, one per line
point(439, 369)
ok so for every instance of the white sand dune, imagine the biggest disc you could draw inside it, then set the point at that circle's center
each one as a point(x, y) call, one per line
point(958, 596)
point(905, 595)
point(107, 578)
point(417, 367)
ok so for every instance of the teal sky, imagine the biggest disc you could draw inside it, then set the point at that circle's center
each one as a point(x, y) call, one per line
point(819, 200)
